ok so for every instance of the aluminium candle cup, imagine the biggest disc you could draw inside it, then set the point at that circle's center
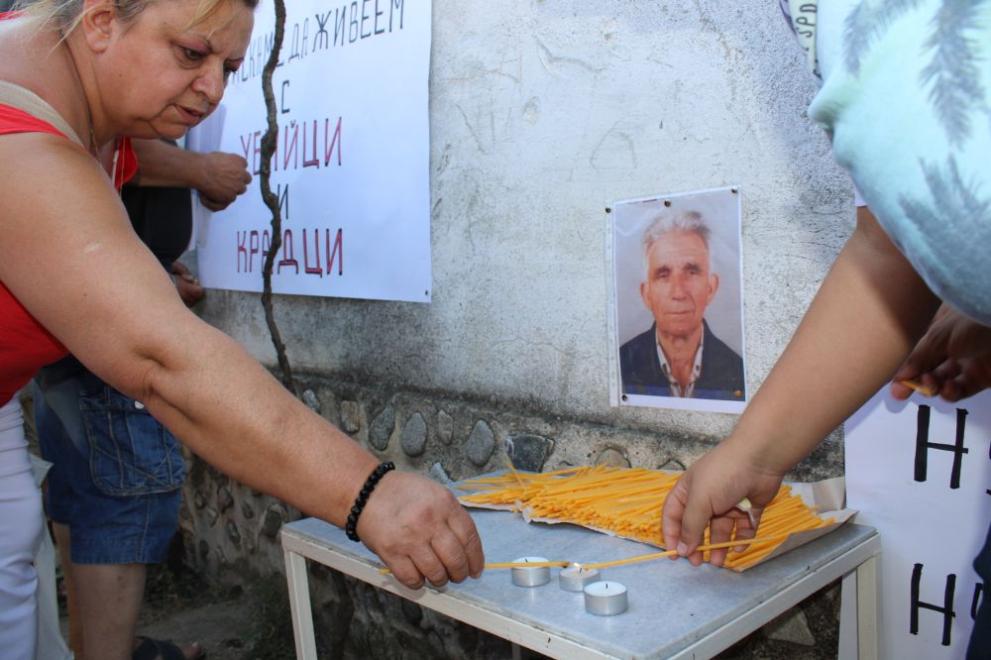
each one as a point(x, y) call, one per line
point(576, 578)
point(531, 577)
point(605, 598)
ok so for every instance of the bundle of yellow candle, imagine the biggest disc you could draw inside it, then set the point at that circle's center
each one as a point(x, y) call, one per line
point(626, 502)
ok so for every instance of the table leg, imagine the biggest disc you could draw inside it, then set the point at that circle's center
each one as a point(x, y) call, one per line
point(299, 602)
point(867, 648)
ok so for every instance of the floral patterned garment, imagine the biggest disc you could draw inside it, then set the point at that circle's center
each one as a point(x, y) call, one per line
point(905, 98)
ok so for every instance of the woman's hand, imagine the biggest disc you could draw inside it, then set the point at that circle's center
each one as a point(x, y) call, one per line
point(708, 493)
point(188, 286)
point(222, 178)
point(420, 531)
point(952, 360)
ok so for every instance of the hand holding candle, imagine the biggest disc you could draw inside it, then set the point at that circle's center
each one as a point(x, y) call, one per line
point(531, 562)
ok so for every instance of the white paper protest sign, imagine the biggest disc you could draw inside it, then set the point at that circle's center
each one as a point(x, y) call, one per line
point(920, 472)
point(351, 168)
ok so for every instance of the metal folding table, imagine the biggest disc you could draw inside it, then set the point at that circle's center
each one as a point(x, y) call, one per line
point(675, 610)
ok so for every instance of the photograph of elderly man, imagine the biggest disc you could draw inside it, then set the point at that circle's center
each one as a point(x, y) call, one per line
point(679, 356)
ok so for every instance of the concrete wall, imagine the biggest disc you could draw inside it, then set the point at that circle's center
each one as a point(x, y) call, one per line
point(542, 113)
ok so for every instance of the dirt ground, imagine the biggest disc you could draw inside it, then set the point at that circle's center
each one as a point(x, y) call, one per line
point(220, 628)
point(230, 624)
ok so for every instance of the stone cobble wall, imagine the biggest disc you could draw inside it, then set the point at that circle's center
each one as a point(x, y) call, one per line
point(230, 531)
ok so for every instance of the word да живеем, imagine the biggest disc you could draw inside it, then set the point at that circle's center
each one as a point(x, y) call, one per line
point(344, 25)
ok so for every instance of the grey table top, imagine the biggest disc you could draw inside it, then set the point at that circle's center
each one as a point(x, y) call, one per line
point(671, 604)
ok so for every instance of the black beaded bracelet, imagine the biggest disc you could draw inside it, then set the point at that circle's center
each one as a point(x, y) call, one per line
point(351, 528)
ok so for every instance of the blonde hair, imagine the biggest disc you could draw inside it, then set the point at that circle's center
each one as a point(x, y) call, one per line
point(65, 15)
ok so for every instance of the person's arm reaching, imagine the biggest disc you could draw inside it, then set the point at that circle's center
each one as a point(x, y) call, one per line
point(71, 258)
point(218, 177)
point(869, 312)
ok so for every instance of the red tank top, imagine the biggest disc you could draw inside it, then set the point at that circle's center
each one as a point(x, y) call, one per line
point(25, 346)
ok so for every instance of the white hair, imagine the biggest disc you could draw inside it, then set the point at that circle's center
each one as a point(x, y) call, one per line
point(665, 223)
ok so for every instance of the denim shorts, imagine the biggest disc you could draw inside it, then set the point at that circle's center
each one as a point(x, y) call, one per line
point(116, 474)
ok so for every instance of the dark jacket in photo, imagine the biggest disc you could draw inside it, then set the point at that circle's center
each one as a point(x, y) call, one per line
point(722, 369)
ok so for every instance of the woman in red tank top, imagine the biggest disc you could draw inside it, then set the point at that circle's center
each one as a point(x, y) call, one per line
point(24, 344)
point(75, 275)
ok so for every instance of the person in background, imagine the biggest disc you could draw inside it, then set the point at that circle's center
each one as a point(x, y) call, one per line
point(904, 99)
point(679, 355)
point(74, 76)
point(115, 510)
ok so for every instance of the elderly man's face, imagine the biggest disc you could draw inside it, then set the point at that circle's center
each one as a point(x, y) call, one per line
point(679, 285)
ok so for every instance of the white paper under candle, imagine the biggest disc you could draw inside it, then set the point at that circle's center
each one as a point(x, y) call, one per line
point(576, 578)
point(605, 598)
point(531, 577)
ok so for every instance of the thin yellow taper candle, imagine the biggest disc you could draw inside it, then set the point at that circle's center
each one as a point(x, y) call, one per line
point(629, 560)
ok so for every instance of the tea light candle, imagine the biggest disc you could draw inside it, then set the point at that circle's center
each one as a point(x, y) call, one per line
point(531, 577)
point(575, 578)
point(605, 598)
